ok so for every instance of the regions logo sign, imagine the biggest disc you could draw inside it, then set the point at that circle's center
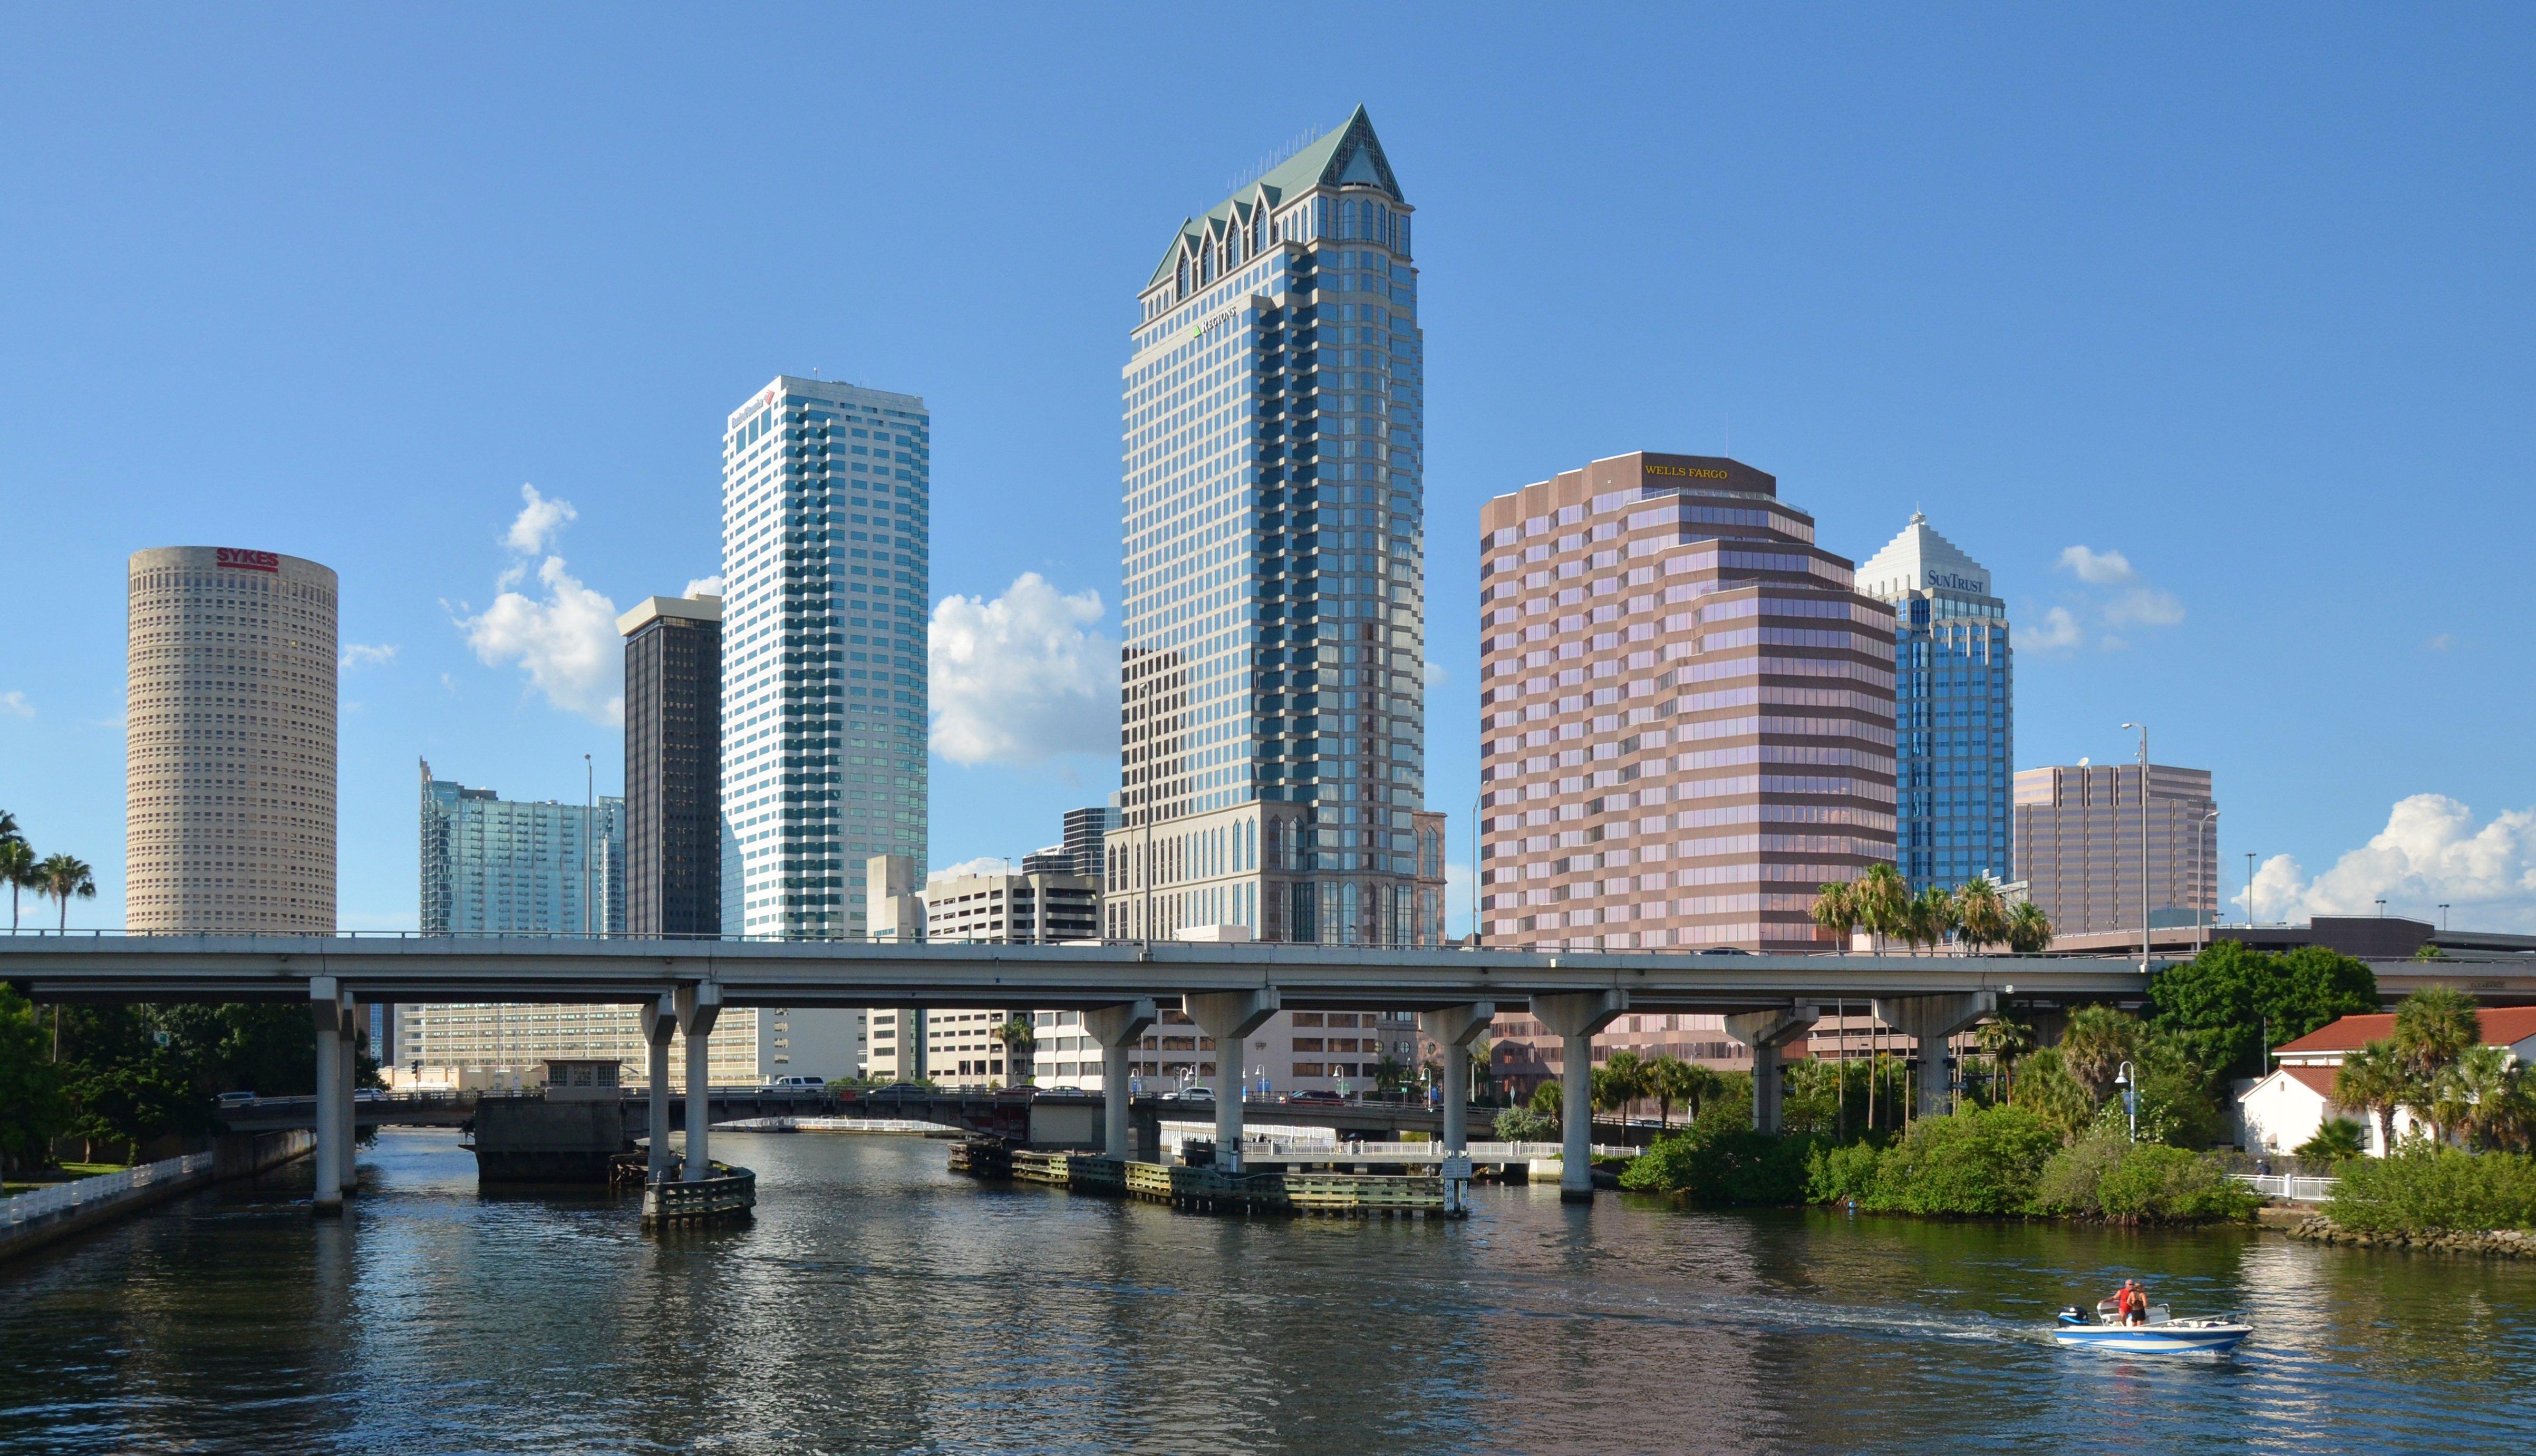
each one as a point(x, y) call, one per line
point(239, 560)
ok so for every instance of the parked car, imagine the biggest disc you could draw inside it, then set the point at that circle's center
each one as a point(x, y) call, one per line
point(236, 1099)
point(370, 1095)
point(796, 1084)
point(1317, 1097)
point(1190, 1095)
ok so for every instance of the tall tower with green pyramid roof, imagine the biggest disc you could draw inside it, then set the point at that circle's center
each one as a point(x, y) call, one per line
point(1274, 719)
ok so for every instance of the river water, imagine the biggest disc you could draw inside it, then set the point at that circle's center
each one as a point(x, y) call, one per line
point(878, 1304)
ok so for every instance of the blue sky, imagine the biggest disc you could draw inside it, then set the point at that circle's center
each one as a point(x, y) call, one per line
point(2240, 297)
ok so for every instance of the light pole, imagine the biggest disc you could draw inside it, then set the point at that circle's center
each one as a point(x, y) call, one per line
point(2208, 844)
point(2143, 814)
point(2443, 918)
point(588, 807)
point(2250, 889)
point(2131, 1098)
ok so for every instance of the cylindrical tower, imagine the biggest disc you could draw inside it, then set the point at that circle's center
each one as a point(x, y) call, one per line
point(230, 743)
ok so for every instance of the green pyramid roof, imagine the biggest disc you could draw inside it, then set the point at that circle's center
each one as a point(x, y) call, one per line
point(1351, 153)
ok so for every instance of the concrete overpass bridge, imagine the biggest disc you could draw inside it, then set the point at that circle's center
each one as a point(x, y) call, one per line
point(1226, 989)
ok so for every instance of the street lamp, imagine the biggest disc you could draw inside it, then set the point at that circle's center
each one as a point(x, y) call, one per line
point(2143, 814)
point(2443, 918)
point(2131, 1098)
point(2207, 843)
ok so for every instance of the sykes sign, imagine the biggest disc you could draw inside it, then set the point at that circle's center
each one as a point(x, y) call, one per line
point(239, 560)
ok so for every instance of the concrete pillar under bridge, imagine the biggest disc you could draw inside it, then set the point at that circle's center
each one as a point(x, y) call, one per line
point(660, 1024)
point(697, 1004)
point(326, 1004)
point(1230, 1017)
point(1453, 1029)
point(348, 1063)
point(1930, 1021)
point(1767, 1032)
point(1117, 1029)
point(1574, 1017)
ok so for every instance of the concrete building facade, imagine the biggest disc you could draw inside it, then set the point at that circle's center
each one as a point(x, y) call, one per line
point(1273, 713)
point(230, 759)
point(1685, 712)
point(2078, 846)
point(673, 823)
point(1954, 705)
point(826, 533)
point(956, 1047)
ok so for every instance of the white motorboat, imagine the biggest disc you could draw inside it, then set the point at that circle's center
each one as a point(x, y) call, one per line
point(2163, 1334)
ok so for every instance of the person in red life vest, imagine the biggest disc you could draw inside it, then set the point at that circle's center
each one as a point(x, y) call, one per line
point(2131, 1304)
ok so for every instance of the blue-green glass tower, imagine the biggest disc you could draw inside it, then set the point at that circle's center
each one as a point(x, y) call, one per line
point(1954, 696)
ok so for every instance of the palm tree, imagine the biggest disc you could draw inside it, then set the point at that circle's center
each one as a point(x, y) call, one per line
point(1019, 1042)
point(1981, 916)
point(62, 877)
point(2029, 930)
point(2003, 1041)
point(2336, 1139)
point(2434, 1027)
point(1932, 917)
point(2098, 1042)
point(1836, 909)
point(1883, 902)
point(1619, 1081)
point(2483, 1094)
point(2373, 1080)
point(16, 871)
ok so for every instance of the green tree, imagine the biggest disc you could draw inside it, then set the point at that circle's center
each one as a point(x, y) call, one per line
point(130, 1102)
point(2098, 1040)
point(1390, 1075)
point(1621, 1080)
point(2484, 1095)
point(33, 1107)
point(1981, 916)
point(1835, 908)
point(2029, 930)
point(1883, 899)
point(2434, 1027)
point(1548, 1097)
point(16, 871)
point(1931, 917)
point(63, 878)
point(2046, 1091)
point(2001, 1041)
point(1982, 1162)
point(2335, 1140)
point(1672, 1080)
point(1020, 1041)
point(2373, 1080)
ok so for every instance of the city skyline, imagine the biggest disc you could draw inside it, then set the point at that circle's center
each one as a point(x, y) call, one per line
point(2177, 591)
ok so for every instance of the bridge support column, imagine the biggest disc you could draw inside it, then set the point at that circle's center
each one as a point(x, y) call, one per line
point(660, 1024)
point(1117, 1029)
point(1930, 1021)
point(1765, 1031)
point(697, 1004)
point(348, 1062)
point(326, 1003)
point(1453, 1029)
point(1230, 1017)
point(1574, 1017)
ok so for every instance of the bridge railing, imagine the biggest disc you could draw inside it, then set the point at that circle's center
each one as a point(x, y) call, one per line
point(39, 1203)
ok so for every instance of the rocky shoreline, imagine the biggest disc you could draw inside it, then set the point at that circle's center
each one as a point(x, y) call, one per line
point(2506, 1244)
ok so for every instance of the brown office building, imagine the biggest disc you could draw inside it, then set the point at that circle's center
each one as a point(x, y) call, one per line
point(1685, 713)
point(2078, 846)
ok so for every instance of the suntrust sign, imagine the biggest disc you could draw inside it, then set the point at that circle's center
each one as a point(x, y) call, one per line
point(1953, 583)
point(240, 559)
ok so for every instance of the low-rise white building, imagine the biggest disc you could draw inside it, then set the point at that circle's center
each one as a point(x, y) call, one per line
point(2279, 1111)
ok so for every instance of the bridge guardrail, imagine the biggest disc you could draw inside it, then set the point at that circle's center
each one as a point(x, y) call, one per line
point(41, 1202)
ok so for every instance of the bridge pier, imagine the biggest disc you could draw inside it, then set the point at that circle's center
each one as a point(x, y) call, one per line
point(1767, 1032)
point(1230, 1017)
point(1453, 1029)
point(660, 1024)
point(348, 1060)
point(697, 1003)
point(1930, 1021)
point(1117, 1029)
point(326, 1004)
point(1574, 1017)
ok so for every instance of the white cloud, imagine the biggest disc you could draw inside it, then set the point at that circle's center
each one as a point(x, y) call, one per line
point(2429, 853)
point(14, 704)
point(361, 655)
point(2441, 643)
point(2147, 606)
point(566, 640)
point(539, 523)
point(983, 865)
point(2096, 568)
point(704, 586)
point(1437, 676)
point(2058, 631)
point(1024, 677)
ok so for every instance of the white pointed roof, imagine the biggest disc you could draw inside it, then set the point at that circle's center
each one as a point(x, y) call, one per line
point(1920, 560)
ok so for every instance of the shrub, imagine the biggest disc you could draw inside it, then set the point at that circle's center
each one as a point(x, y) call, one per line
point(2106, 1175)
point(1524, 1125)
point(2426, 1187)
point(1982, 1162)
point(1838, 1175)
point(1711, 1168)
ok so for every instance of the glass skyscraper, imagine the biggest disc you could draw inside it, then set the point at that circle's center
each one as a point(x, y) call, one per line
point(825, 528)
point(499, 866)
point(1953, 704)
point(1273, 720)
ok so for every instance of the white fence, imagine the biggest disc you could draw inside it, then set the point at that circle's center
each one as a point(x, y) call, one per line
point(832, 1124)
point(1271, 1147)
point(2295, 1190)
point(41, 1203)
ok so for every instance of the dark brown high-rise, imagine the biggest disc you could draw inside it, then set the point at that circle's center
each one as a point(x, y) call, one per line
point(673, 767)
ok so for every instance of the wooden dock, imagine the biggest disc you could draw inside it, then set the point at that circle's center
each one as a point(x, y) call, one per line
point(1204, 1189)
